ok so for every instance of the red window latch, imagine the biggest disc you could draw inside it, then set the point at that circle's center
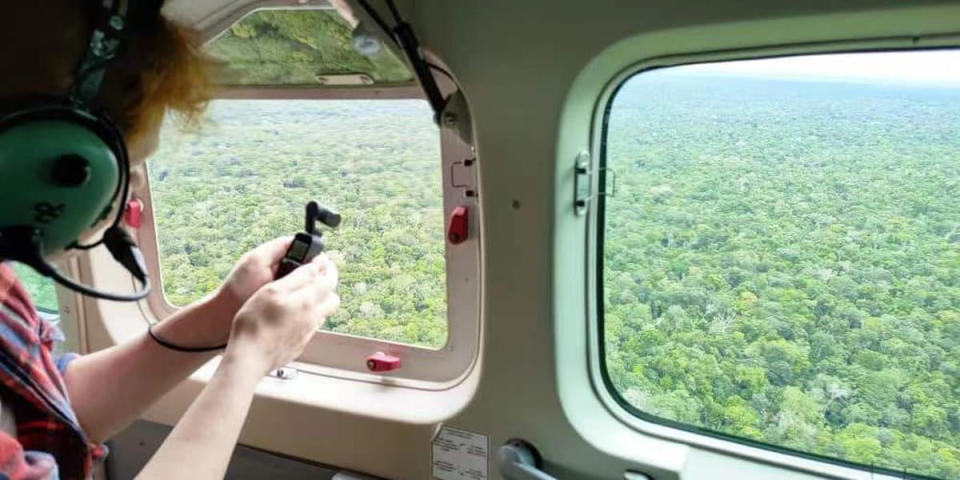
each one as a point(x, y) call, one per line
point(381, 362)
point(133, 215)
point(459, 228)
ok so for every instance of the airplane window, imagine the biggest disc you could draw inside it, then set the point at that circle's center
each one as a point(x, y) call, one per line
point(780, 258)
point(44, 294)
point(245, 177)
point(40, 288)
point(303, 47)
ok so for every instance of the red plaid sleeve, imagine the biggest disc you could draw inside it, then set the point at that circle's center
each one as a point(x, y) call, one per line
point(16, 464)
point(49, 441)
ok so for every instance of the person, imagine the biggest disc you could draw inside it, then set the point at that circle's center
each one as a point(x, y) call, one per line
point(56, 412)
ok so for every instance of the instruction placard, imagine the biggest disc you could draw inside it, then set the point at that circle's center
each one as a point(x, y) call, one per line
point(459, 455)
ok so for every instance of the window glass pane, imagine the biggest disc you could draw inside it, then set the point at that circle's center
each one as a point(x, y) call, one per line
point(780, 260)
point(301, 47)
point(245, 178)
point(44, 294)
point(40, 288)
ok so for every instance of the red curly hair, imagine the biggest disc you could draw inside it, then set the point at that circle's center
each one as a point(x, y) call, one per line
point(160, 68)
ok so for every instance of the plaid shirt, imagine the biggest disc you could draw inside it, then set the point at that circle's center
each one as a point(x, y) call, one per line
point(49, 442)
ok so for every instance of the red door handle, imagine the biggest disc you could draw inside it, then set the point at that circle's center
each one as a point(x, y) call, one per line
point(382, 362)
point(133, 215)
point(459, 229)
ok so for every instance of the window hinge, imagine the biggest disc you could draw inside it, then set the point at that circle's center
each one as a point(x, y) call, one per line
point(582, 171)
point(463, 174)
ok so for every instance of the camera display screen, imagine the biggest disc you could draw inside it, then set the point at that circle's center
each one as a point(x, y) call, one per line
point(298, 249)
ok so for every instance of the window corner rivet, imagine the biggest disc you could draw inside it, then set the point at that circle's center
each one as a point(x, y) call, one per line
point(449, 119)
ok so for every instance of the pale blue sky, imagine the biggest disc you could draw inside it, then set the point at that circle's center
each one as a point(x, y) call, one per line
point(931, 67)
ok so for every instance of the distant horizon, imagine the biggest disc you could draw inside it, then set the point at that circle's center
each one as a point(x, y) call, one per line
point(936, 68)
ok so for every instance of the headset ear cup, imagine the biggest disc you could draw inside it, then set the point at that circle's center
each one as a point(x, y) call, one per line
point(62, 170)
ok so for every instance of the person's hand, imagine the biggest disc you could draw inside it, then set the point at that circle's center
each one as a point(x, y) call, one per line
point(276, 323)
point(255, 269)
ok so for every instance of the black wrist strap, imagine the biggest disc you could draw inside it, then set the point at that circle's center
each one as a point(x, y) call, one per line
point(178, 348)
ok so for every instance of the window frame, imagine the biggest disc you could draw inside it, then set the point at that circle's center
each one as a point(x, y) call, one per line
point(603, 388)
point(343, 355)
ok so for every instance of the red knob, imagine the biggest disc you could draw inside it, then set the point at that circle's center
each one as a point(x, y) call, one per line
point(133, 215)
point(459, 228)
point(381, 362)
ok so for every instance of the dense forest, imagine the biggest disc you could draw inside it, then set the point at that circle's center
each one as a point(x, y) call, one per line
point(298, 47)
point(245, 177)
point(782, 263)
point(41, 288)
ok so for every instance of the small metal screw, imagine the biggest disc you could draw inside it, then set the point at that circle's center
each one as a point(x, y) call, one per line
point(449, 119)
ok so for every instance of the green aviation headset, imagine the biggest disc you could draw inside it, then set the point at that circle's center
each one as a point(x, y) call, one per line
point(64, 166)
